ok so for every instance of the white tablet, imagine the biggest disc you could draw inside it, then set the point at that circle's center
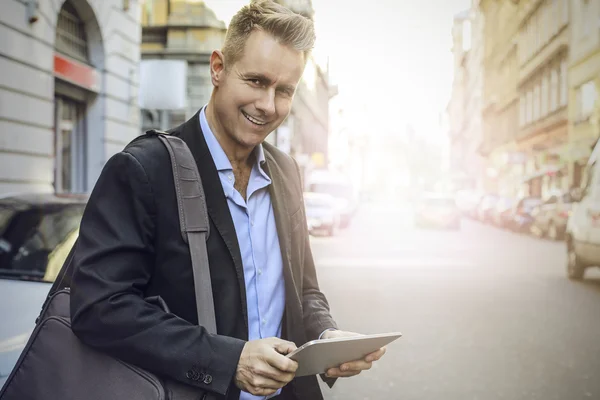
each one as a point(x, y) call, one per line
point(317, 356)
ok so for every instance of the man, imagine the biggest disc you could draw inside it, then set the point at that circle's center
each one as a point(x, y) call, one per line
point(263, 277)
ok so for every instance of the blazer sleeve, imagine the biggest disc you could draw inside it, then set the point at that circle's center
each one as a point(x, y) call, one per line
point(113, 264)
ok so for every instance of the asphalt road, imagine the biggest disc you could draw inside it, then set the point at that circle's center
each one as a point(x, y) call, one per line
point(486, 314)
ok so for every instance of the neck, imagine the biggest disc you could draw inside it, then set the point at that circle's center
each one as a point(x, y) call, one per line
point(237, 154)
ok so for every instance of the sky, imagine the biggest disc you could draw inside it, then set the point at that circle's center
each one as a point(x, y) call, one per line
point(391, 59)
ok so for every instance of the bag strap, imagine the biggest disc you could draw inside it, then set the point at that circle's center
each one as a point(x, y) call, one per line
point(193, 221)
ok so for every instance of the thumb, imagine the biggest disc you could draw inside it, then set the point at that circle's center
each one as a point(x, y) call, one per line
point(285, 347)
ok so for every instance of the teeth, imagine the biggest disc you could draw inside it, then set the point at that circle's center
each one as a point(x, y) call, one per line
point(253, 120)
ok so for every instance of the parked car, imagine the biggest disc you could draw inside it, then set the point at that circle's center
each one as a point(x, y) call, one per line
point(37, 232)
point(437, 210)
point(486, 207)
point(521, 216)
point(583, 228)
point(551, 218)
point(502, 212)
point(468, 202)
point(322, 213)
point(340, 187)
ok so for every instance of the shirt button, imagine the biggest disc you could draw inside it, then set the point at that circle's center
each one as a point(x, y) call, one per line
point(230, 177)
point(260, 271)
point(252, 222)
point(264, 321)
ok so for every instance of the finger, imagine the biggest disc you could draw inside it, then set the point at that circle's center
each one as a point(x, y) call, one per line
point(266, 383)
point(282, 363)
point(285, 347)
point(376, 355)
point(337, 373)
point(268, 372)
point(260, 391)
point(359, 365)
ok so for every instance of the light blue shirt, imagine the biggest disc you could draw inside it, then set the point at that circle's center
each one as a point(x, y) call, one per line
point(256, 232)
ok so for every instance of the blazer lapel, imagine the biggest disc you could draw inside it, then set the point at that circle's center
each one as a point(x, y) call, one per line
point(216, 202)
point(282, 221)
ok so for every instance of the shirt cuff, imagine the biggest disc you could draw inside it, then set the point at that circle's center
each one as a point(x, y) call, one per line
point(322, 333)
point(277, 393)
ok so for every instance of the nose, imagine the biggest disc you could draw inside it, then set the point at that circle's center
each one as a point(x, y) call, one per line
point(266, 102)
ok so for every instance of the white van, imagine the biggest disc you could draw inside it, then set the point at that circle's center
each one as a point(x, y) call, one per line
point(583, 228)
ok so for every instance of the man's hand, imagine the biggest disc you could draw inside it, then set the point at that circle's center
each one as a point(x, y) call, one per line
point(263, 367)
point(354, 367)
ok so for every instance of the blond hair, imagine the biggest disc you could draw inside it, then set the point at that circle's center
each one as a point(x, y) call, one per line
point(287, 27)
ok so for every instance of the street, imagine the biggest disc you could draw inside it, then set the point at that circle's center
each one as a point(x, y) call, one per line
point(486, 314)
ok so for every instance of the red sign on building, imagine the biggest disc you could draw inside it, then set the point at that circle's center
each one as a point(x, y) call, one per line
point(76, 73)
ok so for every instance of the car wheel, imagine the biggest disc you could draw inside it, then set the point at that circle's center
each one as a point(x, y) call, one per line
point(575, 268)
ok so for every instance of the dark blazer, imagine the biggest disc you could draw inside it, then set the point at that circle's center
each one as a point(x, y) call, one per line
point(130, 248)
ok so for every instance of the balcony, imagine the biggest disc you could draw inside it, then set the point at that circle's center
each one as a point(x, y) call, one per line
point(544, 125)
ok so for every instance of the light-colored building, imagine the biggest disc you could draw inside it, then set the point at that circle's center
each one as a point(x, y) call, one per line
point(584, 85)
point(181, 30)
point(543, 94)
point(68, 90)
point(474, 97)
point(500, 97)
point(305, 133)
point(465, 107)
point(457, 106)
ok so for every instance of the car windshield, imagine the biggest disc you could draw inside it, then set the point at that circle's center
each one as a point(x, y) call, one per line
point(333, 189)
point(318, 202)
point(36, 239)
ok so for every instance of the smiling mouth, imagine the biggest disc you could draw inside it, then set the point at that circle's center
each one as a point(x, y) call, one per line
point(255, 121)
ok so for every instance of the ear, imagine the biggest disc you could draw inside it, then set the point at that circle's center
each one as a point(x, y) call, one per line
point(217, 67)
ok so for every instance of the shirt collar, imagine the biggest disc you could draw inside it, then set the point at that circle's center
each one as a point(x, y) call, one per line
point(218, 154)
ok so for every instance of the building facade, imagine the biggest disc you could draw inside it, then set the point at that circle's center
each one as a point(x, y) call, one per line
point(68, 90)
point(543, 95)
point(584, 84)
point(465, 107)
point(457, 107)
point(181, 30)
point(500, 97)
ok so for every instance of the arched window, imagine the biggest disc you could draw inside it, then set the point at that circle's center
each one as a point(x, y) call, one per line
point(71, 39)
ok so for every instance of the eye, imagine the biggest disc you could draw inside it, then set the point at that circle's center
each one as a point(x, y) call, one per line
point(255, 82)
point(287, 92)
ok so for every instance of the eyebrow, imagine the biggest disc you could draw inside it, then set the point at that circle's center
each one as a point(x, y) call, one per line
point(266, 81)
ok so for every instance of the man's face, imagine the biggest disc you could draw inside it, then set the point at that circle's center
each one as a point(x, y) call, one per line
point(254, 95)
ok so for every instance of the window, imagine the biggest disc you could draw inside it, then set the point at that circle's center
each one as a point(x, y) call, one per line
point(587, 18)
point(544, 108)
point(555, 23)
point(529, 106)
point(544, 26)
point(553, 90)
point(586, 100)
point(36, 239)
point(536, 102)
point(70, 33)
point(564, 12)
point(563, 83)
point(70, 146)
point(522, 110)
